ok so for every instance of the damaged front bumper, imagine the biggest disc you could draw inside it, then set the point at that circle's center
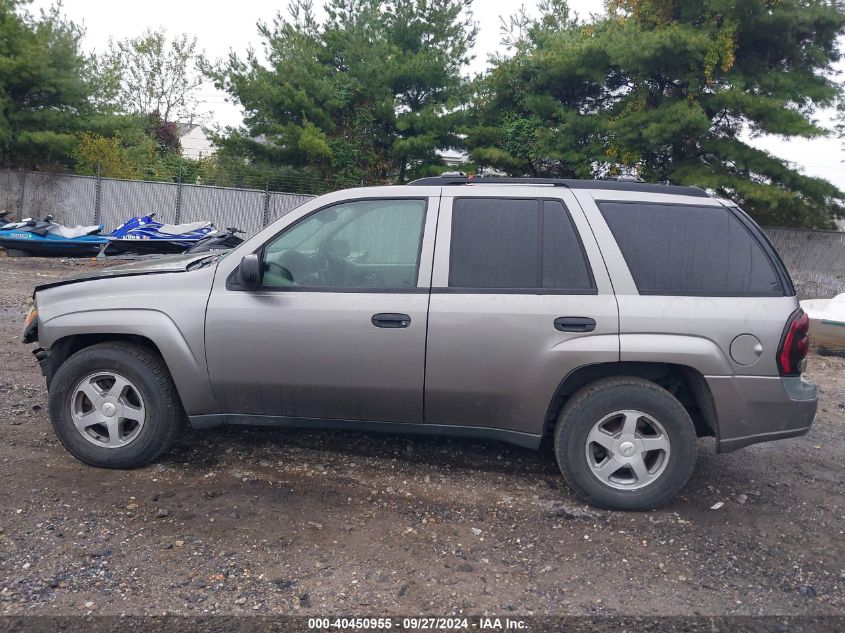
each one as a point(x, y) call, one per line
point(43, 357)
point(30, 326)
point(30, 335)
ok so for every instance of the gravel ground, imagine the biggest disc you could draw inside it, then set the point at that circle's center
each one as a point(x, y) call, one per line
point(242, 520)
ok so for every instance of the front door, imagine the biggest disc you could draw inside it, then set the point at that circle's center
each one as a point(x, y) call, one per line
point(338, 326)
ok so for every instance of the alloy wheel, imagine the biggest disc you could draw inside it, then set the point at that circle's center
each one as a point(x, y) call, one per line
point(627, 450)
point(108, 410)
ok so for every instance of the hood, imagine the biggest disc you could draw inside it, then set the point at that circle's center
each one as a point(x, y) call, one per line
point(156, 266)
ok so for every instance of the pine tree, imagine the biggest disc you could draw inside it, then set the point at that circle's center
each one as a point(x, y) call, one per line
point(671, 90)
point(368, 96)
point(45, 86)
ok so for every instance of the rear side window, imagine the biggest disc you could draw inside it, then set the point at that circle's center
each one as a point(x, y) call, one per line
point(510, 243)
point(690, 250)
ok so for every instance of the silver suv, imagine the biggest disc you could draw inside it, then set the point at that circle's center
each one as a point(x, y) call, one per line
point(622, 320)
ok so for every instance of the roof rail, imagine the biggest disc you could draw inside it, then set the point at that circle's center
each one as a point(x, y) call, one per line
point(569, 183)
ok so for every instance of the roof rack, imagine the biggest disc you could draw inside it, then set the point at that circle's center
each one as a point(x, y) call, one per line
point(614, 185)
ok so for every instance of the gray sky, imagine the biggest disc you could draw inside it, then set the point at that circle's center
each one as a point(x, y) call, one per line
point(223, 26)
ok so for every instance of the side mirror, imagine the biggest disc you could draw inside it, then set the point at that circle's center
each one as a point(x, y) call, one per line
point(249, 272)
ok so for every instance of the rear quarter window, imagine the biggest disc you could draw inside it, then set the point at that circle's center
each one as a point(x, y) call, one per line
point(675, 249)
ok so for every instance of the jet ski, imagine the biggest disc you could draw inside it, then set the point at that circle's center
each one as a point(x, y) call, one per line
point(144, 236)
point(219, 241)
point(46, 238)
point(16, 225)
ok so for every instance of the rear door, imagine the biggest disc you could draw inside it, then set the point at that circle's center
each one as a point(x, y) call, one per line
point(690, 267)
point(520, 297)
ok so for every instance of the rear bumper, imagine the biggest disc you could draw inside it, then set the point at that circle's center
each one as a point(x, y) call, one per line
point(752, 409)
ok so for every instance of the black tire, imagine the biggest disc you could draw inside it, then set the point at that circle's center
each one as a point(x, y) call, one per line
point(148, 374)
point(602, 398)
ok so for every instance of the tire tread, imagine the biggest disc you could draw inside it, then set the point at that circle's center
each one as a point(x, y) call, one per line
point(567, 420)
point(143, 361)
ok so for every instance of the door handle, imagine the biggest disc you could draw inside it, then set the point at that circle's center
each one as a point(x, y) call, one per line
point(391, 320)
point(575, 324)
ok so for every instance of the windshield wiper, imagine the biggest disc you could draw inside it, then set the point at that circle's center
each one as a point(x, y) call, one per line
point(205, 261)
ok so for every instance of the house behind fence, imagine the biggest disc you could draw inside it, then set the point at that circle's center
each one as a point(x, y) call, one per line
point(815, 259)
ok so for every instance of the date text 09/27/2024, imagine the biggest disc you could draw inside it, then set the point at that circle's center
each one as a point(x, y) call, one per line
point(416, 624)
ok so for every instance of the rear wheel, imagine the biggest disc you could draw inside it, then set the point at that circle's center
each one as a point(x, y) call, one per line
point(625, 444)
point(114, 405)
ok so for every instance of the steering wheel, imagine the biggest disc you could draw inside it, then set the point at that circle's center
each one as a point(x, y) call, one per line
point(281, 271)
point(331, 269)
point(298, 267)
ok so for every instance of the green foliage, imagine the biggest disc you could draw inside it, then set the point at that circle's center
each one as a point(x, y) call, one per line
point(98, 155)
point(670, 90)
point(232, 171)
point(44, 86)
point(133, 147)
point(366, 97)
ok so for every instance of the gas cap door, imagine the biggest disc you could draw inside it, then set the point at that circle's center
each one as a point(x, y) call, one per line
point(746, 349)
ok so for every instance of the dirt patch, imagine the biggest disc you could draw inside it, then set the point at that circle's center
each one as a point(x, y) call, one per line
point(287, 521)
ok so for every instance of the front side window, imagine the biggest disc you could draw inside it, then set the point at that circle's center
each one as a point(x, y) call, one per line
point(690, 250)
point(364, 244)
point(516, 244)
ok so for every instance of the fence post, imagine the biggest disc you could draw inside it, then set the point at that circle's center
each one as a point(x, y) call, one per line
point(98, 186)
point(21, 191)
point(265, 216)
point(179, 196)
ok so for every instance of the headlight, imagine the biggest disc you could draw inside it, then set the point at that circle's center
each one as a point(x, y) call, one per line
point(30, 326)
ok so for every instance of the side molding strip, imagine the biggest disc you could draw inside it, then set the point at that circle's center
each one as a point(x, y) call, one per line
point(526, 440)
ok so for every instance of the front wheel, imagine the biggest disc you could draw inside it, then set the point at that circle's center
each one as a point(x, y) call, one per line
point(114, 405)
point(625, 444)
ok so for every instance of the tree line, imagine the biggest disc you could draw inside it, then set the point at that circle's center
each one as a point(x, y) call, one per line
point(372, 93)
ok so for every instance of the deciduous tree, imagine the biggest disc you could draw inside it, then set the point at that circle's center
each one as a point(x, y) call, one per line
point(152, 75)
point(98, 155)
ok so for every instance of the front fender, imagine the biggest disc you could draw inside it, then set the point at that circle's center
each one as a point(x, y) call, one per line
point(185, 362)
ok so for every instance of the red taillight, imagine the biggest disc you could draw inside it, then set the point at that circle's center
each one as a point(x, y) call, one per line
point(795, 344)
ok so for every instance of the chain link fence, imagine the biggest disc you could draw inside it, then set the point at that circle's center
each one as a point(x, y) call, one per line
point(815, 259)
point(87, 200)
